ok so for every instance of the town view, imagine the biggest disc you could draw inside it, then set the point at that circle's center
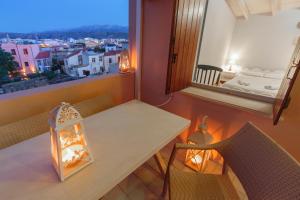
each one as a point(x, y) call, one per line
point(34, 59)
point(29, 63)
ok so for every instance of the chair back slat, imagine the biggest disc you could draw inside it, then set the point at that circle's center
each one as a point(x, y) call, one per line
point(214, 76)
point(207, 74)
point(265, 170)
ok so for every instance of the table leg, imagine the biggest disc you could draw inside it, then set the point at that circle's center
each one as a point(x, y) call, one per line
point(160, 163)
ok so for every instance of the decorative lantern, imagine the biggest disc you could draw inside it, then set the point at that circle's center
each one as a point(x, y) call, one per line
point(124, 62)
point(69, 147)
point(197, 159)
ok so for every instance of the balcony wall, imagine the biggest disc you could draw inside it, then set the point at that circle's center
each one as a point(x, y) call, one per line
point(22, 104)
point(223, 121)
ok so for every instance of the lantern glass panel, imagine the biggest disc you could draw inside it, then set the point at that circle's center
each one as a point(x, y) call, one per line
point(196, 159)
point(124, 62)
point(74, 152)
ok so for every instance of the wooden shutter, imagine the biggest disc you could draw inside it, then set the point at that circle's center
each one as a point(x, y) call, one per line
point(187, 24)
point(283, 96)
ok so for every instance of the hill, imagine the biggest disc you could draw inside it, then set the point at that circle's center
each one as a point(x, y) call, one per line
point(94, 31)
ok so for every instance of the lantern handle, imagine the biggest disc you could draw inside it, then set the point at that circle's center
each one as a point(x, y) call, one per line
point(65, 104)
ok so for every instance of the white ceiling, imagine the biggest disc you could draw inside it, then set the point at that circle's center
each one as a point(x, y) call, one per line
point(244, 8)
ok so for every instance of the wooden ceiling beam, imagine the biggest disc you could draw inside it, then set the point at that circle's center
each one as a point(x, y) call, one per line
point(274, 6)
point(244, 9)
point(239, 8)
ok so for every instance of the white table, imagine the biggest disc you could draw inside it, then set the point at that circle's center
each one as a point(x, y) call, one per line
point(121, 139)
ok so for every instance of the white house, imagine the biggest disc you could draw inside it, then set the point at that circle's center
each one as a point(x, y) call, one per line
point(96, 61)
point(75, 60)
point(111, 58)
point(83, 71)
point(84, 63)
point(43, 61)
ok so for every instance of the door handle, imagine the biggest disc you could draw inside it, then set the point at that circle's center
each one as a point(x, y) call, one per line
point(174, 58)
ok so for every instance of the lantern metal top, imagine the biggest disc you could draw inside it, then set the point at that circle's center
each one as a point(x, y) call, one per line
point(63, 115)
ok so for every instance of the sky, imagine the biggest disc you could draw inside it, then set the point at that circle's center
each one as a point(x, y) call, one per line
point(25, 16)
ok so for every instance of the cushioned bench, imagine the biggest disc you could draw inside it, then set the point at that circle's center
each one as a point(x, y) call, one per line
point(21, 130)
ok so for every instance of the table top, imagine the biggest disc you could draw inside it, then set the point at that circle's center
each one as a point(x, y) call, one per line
point(121, 139)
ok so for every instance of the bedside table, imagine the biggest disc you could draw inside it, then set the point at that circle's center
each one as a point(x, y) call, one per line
point(226, 76)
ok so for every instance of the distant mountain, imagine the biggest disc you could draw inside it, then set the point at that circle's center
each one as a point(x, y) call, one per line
point(102, 28)
point(94, 31)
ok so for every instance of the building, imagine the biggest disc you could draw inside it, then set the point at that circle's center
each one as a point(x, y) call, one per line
point(24, 55)
point(123, 45)
point(75, 60)
point(83, 71)
point(43, 61)
point(84, 63)
point(96, 61)
point(111, 58)
point(110, 47)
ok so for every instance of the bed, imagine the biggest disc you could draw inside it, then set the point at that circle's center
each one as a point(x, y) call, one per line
point(256, 81)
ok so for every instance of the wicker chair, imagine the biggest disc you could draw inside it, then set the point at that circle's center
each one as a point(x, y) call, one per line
point(21, 130)
point(265, 170)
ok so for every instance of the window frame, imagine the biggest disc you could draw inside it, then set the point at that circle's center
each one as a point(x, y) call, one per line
point(13, 52)
point(279, 102)
point(25, 51)
point(80, 59)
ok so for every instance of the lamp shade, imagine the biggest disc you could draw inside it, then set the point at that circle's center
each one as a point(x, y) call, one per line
point(69, 147)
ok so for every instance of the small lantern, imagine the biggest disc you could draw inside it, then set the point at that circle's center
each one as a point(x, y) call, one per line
point(124, 62)
point(197, 159)
point(69, 147)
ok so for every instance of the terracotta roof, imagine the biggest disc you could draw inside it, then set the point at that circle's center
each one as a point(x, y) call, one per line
point(43, 55)
point(111, 53)
point(73, 54)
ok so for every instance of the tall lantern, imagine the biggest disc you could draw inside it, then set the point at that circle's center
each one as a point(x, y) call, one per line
point(124, 62)
point(69, 147)
point(197, 159)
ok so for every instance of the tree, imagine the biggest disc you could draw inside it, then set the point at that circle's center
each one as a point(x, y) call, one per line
point(99, 50)
point(7, 65)
point(56, 64)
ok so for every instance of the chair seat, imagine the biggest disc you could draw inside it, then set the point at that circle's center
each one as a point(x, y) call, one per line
point(192, 185)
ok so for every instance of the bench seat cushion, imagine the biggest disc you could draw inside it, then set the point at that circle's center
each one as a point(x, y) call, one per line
point(21, 130)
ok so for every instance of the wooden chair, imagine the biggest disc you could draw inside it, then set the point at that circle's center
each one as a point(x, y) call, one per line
point(264, 169)
point(21, 130)
point(207, 74)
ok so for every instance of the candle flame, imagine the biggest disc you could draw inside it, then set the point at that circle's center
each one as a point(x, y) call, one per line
point(197, 159)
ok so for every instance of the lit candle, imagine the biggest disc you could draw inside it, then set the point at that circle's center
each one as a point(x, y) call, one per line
point(72, 153)
point(197, 159)
point(76, 128)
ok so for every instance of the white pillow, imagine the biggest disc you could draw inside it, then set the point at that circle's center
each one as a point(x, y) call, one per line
point(250, 72)
point(274, 75)
point(256, 69)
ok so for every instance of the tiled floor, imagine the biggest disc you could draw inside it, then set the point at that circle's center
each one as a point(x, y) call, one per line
point(146, 182)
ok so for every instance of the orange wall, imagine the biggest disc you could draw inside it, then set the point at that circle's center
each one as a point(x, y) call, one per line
point(19, 105)
point(223, 121)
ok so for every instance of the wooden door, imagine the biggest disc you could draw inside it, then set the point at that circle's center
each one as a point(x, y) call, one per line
point(187, 25)
point(283, 96)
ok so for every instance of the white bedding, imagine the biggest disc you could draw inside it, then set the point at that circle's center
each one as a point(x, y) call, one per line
point(255, 85)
